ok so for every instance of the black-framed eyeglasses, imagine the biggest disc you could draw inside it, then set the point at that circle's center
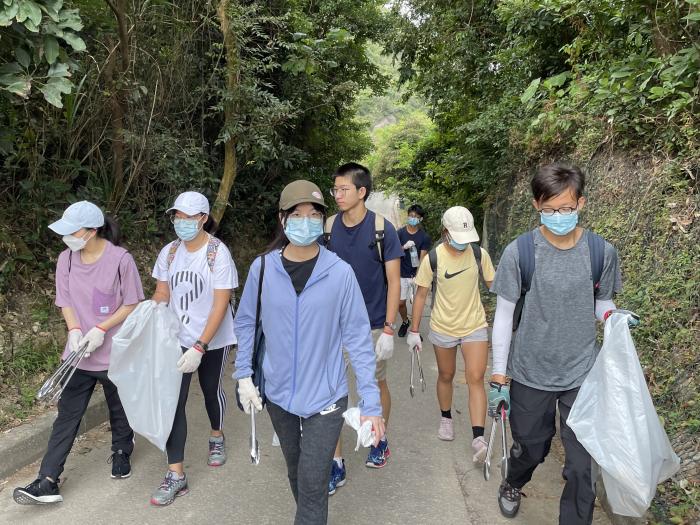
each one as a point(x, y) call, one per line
point(339, 191)
point(565, 210)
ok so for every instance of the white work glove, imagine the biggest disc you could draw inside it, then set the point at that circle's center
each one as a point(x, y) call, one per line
point(409, 245)
point(74, 337)
point(249, 395)
point(384, 348)
point(94, 339)
point(189, 362)
point(413, 339)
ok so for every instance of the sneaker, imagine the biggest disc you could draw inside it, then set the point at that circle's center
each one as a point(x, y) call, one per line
point(337, 477)
point(509, 499)
point(403, 329)
point(479, 447)
point(121, 467)
point(170, 488)
point(379, 455)
point(38, 492)
point(447, 429)
point(217, 451)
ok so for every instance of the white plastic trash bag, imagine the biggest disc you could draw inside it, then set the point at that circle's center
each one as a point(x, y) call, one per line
point(365, 436)
point(145, 351)
point(614, 419)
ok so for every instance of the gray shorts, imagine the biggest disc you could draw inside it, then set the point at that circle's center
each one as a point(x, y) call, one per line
point(449, 341)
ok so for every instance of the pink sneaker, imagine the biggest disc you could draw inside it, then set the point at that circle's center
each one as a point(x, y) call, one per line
point(447, 429)
point(479, 447)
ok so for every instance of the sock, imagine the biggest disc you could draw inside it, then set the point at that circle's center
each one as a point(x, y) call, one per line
point(447, 413)
point(478, 432)
point(339, 461)
point(383, 440)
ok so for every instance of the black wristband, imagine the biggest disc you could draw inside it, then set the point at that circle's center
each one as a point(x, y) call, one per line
point(204, 346)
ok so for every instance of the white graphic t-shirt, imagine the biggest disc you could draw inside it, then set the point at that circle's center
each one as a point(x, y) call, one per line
point(192, 286)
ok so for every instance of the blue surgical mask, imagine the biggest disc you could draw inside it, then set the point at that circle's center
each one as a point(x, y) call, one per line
point(560, 224)
point(186, 229)
point(413, 221)
point(457, 246)
point(303, 231)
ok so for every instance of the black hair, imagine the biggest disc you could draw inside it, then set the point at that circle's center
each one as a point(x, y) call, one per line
point(555, 179)
point(361, 177)
point(210, 225)
point(417, 209)
point(110, 231)
point(280, 240)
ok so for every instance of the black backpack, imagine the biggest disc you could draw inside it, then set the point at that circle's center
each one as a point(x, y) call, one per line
point(526, 262)
point(432, 258)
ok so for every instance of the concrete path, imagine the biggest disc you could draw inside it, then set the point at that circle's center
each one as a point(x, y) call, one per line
point(427, 481)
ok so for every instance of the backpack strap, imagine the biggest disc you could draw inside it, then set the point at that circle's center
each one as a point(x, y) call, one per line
point(212, 250)
point(432, 259)
point(258, 308)
point(526, 263)
point(596, 248)
point(476, 250)
point(328, 228)
point(379, 235)
point(171, 252)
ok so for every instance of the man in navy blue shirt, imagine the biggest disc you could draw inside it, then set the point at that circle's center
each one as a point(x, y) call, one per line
point(354, 238)
point(413, 239)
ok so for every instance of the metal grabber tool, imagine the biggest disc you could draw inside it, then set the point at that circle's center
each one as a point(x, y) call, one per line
point(415, 356)
point(254, 448)
point(51, 390)
point(499, 419)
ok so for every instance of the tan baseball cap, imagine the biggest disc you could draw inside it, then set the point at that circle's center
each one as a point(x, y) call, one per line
point(460, 224)
point(300, 191)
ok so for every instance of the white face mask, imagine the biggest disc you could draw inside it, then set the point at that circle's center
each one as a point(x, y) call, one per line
point(75, 244)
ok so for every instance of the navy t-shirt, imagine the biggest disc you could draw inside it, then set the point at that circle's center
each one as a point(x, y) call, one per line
point(356, 246)
point(422, 241)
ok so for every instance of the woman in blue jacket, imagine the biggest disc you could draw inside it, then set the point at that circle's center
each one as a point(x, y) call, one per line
point(311, 307)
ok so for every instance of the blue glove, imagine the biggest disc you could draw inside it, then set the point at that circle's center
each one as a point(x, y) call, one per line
point(632, 319)
point(499, 394)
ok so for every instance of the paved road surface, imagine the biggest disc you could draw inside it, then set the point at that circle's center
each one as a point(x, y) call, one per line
point(427, 481)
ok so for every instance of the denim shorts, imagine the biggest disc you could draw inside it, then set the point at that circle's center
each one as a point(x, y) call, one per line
point(449, 341)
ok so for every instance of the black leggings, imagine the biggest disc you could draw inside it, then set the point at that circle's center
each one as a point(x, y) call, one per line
point(71, 408)
point(210, 371)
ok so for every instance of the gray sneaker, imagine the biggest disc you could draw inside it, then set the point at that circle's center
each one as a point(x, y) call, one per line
point(170, 488)
point(217, 451)
point(509, 499)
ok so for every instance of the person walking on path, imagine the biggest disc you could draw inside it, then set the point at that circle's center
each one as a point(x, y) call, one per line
point(311, 308)
point(564, 277)
point(370, 245)
point(457, 320)
point(195, 275)
point(416, 244)
point(97, 286)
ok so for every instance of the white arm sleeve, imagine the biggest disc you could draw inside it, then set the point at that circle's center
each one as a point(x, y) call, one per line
point(603, 306)
point(502, 334)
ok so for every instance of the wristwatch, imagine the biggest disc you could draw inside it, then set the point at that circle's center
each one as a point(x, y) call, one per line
point(204, 346)
point(390, 325)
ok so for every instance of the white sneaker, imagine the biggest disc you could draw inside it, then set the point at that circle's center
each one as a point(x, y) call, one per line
point(479, 447)
point(447, 429)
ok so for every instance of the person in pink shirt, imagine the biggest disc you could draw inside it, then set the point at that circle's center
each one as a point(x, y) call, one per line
point(97, 286)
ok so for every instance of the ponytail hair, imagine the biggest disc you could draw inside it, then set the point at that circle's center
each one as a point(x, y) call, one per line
point(110, 231)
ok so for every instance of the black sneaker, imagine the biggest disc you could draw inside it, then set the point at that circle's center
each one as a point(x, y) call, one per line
point(38, 492)
point(121, 467)
point(404, 328)
point(509, 499)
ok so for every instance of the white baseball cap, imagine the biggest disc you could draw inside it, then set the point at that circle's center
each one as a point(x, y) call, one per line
point(78, 215)
point(191, 203)
point(460, 224)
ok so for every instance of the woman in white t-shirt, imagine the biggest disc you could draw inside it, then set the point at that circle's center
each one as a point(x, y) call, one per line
point(196, 275)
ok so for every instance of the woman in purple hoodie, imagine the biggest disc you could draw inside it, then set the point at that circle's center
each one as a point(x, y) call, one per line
point(311, 306)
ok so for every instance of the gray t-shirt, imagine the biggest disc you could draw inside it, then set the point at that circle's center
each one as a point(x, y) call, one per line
point(555, 345)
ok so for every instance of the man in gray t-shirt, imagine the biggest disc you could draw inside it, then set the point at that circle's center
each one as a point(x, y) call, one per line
point(554, 346)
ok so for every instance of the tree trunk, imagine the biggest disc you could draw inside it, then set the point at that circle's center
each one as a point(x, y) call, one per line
point(228, 176)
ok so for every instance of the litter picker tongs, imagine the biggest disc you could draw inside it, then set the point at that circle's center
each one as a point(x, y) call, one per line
point(51, 390)
point(415, 357)
point(498, 417)
point(254, 447)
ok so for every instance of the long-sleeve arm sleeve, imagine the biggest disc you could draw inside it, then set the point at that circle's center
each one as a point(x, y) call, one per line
point(502, 334)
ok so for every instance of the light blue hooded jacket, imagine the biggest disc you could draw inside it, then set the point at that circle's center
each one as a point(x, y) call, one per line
point(304, 367)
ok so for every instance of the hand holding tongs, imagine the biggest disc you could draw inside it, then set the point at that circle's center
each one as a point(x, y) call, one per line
point(254, 448)
point(498, 416)
point(51, 390)
point(415, 356)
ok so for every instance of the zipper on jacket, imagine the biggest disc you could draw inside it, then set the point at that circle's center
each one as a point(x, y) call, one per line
point(294, 355)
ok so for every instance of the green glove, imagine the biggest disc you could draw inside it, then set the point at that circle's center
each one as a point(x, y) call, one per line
point(499, 394)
